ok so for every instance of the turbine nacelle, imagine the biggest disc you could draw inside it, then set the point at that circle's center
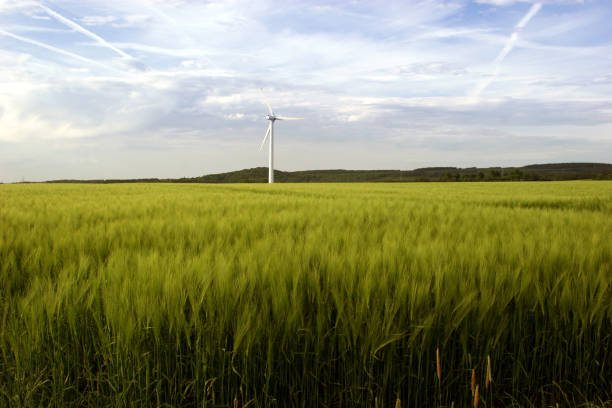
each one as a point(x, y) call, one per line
point(271, 117)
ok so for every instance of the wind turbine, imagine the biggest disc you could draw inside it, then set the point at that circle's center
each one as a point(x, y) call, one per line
point(270, 132)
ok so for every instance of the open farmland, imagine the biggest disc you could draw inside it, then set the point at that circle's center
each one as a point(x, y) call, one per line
point(305, 295)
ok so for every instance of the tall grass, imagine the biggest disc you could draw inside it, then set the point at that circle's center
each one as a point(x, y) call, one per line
point(305, 295)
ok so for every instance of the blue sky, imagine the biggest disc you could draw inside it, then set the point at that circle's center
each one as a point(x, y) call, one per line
point(151, 88)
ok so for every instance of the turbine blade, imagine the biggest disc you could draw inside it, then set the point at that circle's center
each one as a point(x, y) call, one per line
point(265, 137)
point(266, 101)
point(287, 118)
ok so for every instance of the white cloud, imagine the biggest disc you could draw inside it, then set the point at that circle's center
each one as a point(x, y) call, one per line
point(499, 2)
point(133, 20)
point(97, 20)
point(15, 5)
point(512, 2)
point(234, 116)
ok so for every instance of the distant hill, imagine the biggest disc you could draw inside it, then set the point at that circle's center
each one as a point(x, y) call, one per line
point(554, 171)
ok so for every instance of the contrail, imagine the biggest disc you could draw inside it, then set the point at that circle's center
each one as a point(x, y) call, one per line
point(89, 34)
point(57, 50)
point(507, 48)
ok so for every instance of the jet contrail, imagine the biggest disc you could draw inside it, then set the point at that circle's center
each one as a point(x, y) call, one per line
point(507, 48)
point(88, 33)
point(57, 50)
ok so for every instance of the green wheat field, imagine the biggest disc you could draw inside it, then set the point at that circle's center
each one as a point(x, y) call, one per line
point(306, 295)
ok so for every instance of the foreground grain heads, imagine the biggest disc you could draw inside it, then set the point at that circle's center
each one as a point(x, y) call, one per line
point(305, 295)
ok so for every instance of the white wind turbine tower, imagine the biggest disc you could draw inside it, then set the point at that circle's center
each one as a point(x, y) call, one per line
point(270, 132)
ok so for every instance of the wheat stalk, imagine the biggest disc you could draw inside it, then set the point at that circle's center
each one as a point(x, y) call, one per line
point(473, 383)
point(438, 367)
point(489, 378)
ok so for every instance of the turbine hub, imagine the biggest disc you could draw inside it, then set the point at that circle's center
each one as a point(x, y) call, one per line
point(271, 117)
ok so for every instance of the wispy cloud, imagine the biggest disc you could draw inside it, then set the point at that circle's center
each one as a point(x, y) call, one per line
point(530, 14)
point(77, 27)
point(533, 10)
point(56, 50)
point(153, 49)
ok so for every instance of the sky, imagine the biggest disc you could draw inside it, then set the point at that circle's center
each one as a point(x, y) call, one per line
point(170, 88)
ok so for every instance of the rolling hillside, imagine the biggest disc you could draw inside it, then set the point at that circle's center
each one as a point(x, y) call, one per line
point(534, 172)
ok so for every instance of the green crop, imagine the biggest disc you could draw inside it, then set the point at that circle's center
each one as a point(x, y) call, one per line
point(305, 295)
